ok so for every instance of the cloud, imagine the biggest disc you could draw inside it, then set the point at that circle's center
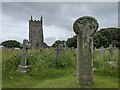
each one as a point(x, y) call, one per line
point(12, 30)
point(58, 17)
point(50, 40)
point(61, 0)
point(57, 32)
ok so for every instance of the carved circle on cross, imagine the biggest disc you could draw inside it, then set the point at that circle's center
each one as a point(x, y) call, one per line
point(86, 24)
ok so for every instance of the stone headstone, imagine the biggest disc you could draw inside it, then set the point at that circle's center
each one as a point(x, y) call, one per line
point(85, 27)
point(23, 67)
point(102, 50)
point(110, 49)
point(13, 48)
point(58, 50)
point(112, 64)
point(115, 48)
point(58, 53)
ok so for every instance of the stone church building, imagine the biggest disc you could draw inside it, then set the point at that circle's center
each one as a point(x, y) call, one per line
point(36, 38)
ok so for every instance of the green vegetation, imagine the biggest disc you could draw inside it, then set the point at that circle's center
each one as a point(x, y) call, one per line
point(11, 43)
point(43, 72)
point(72, 42)
point(107, 36)
point(103, 37)
point(58, 42)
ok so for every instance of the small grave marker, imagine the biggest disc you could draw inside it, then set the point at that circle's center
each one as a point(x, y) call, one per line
point(58, 53)
point(102, 50)
point(111, 52)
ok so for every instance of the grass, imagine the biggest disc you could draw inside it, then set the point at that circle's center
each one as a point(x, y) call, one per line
point(64, 81)
point(70, 82)
point(46, 73)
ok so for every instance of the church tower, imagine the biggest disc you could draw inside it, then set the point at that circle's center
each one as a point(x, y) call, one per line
point(36, 33)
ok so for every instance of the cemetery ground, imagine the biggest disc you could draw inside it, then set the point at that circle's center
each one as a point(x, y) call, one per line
point(47, 72)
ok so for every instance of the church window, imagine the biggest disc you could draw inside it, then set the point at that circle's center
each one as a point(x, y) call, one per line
point(37, 44)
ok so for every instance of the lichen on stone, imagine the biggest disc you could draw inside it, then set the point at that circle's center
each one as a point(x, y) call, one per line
point(86, 21)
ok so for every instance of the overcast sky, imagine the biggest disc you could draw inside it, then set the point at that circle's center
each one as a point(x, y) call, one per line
point(58, 18)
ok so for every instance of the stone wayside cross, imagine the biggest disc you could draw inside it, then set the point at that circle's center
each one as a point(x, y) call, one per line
point(23, 68)
point(85, 27)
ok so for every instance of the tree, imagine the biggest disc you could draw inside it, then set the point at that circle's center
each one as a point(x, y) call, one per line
point(103, 37)
point(59, 42)
point(100, 40)
point(11, 43)
point(72, 42)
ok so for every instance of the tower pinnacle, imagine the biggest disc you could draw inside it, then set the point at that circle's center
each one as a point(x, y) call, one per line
point(31, 17)
point(41, 19)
